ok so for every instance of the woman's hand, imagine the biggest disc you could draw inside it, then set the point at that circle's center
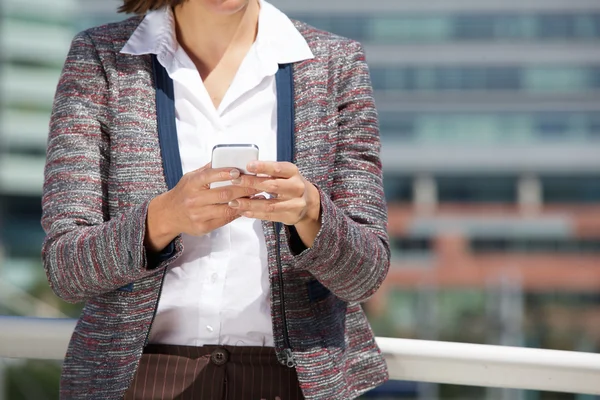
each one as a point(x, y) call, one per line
point(295, 200)
point(192, 207)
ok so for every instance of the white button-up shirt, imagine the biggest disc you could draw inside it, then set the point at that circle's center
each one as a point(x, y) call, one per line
point(218, 291)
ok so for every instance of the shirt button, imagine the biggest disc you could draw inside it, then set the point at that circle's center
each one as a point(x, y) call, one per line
point(210, 328)
point(214, 277)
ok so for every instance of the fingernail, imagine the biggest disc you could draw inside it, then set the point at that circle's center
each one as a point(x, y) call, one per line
point(252, 166)
point(247, 214)
point(234, 173)
point(236, 181)
point(234, 204)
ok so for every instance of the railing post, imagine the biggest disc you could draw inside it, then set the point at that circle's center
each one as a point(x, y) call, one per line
point(505, 307)
point(3, 387)
point(427, 325)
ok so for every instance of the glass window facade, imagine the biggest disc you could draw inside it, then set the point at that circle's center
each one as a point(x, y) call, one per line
point(398, 188)
point(469, 27)
point(491, 128)
point(533, 245)
point(21, 219)
point(575, 189)
point(571, 189)
point(529, 79)
point(477, 189)
point(406, 248)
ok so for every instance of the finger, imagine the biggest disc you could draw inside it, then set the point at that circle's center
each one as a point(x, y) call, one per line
point(198, 202)
point(250, 181)
point(206, 176)
point(271, 210)
point(287, 218)
point(212, 211)
point(202, 168)
point(217, 223)
point(275, 169)
point(224, 195)
point(281, 188)
point(258, 205)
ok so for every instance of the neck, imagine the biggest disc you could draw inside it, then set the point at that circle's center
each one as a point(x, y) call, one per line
point(206, 35)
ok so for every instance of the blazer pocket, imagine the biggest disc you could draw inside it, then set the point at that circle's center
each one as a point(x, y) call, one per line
point(316, 291)
point(329, 313)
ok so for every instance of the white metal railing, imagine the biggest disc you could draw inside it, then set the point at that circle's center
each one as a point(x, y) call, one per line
point(411, 360)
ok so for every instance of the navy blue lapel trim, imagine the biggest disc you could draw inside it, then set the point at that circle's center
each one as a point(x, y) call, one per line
point(285, 117)
point(169, 147)
point(167, 129)
point(285, 113)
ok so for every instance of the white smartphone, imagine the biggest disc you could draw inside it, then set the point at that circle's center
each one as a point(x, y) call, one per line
point(233, 156)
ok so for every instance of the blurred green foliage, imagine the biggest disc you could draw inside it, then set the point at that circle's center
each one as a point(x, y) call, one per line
point(32, 380)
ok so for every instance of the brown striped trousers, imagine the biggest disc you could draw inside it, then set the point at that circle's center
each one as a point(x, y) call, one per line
point(213, 373)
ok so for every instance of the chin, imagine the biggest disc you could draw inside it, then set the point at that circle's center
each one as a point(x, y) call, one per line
point(226, 6)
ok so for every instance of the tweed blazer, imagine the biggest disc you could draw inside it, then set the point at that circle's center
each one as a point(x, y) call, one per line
point(104, 166)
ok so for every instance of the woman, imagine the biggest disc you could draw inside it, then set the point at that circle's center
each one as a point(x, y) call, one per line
point(220, 293)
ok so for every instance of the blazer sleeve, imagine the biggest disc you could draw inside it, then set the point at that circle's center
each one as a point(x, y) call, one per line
point(351, 255)
point(85, 252)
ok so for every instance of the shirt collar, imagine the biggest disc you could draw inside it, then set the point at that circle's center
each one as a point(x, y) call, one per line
point(277, 40)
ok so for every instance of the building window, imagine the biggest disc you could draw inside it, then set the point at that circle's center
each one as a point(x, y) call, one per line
point(571, 189)
point(431, 28)
point(552, 126)
point(592, 126)
point(421, 245)
point(407, 248)
point(503, 78)
point(398, 189)
point(20, 230)
point(491, 128)
point(426, 78)
point(410, 28)
point(535, 245)
point(555, 26)
point(477, 189)
point(398, 125)
point(559, 79)
point(474, 27)
point(348, 26)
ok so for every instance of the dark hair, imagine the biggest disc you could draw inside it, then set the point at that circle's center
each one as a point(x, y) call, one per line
point(143, 6)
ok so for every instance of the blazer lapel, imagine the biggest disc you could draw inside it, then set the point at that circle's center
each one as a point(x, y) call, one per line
point(167, 128)
point(285, 113)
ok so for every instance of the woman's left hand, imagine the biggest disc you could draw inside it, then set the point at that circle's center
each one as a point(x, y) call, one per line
point(295, 200)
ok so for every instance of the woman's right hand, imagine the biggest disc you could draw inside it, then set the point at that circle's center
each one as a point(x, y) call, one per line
point(191, 207)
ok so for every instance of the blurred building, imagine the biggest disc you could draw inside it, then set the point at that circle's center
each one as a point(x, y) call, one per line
point(35, 39)
point(36, 35)
point(490, 122)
